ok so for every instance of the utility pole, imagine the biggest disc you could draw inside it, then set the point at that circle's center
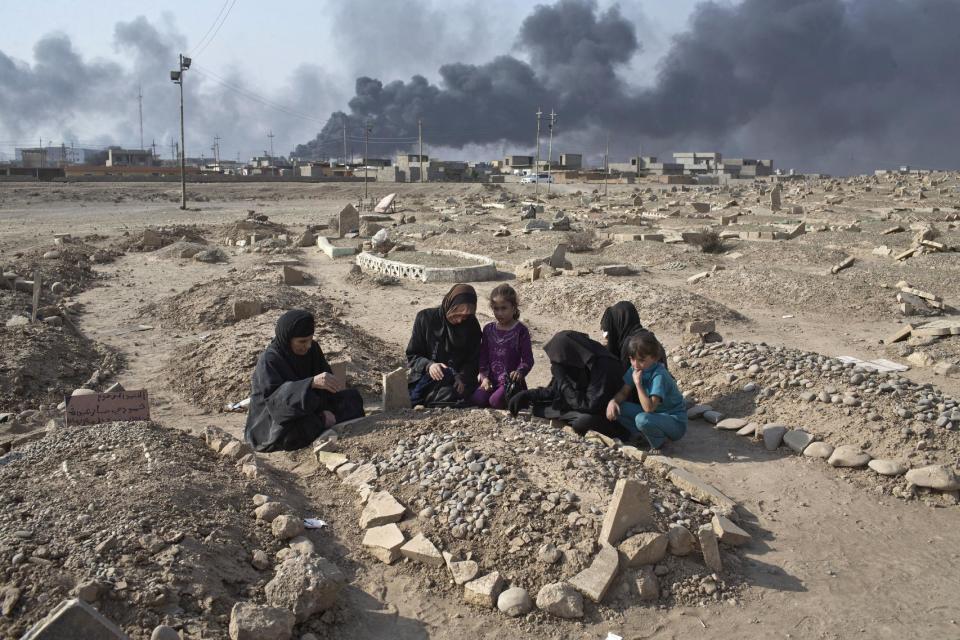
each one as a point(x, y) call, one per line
point(366, 156)
point(153, 145)
point(553, 119)
point(177, 77)
point(216, 150)
point(140, 102)
point(536, 165)
point(173, 150)
point(606, 166)
point(420, 157)
point(270, 135)
point(344, 144)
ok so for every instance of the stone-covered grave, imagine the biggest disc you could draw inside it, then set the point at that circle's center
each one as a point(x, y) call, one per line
point(887, 432)
point(513, 512)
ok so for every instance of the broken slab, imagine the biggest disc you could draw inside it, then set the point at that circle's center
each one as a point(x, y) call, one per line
point(728, 532)
point(463, 571)
point(293, 277)
point(384, 542)
point(359, 475)
point(484, 591)
point(72, 619)
point(396, 393)
point(630, 506)
point(846, 264)
point(643, 548)
point(701, 491)
point(381, 508)
point(700, 327)
point(420, 549)
point(330, 459)
point(902, 334)
point(710, 548)
point(594, 581)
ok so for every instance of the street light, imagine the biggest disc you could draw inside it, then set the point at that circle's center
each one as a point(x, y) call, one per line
point(176, 77)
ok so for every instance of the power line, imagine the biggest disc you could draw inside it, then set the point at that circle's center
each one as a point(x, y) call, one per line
point(201, 45)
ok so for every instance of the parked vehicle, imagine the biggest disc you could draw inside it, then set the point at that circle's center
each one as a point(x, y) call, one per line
point(542, 178)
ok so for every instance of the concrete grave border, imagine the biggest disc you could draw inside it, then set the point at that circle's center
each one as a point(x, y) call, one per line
point(485, 270)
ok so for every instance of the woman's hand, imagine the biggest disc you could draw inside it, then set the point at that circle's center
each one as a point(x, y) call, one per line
point(516, 376)
point(329, 419)
point(459, 387)
point(327, 382)
point(613, 410)
point(485, 383)
point(436, 371)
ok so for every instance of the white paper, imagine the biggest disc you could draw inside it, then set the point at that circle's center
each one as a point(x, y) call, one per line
point(314, 523)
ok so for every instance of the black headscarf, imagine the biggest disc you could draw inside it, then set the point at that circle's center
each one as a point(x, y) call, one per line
point(468, 332)
point(620, 322)
point(573, 349)
point(297, 323)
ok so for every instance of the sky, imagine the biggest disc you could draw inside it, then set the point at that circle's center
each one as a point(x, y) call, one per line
point(261, 47)
point(839, 86)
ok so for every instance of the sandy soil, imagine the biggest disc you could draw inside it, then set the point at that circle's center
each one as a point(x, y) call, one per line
point(833, 555)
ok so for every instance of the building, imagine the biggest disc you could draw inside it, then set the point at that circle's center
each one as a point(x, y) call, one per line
point(747, 167)
point(699, 162)
point(117, 157)
point(57, 156)
point(517, 163)
point(571, 161)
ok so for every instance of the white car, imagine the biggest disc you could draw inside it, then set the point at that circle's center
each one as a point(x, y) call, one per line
point(539, 177)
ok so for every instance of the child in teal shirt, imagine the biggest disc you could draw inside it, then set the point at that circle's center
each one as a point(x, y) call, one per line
point(661, 414)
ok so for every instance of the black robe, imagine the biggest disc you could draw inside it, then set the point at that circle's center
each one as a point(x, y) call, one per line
point(434, 339)
point(286, 412)
point(621, 322)
point(585, 374)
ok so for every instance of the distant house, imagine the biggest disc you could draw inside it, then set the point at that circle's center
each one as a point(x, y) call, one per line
point(117, 157)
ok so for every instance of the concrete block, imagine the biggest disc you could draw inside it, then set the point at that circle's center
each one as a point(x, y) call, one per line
point(728, 532)
point(396, 393)
point(484, 591)
point(710, 548)
point(243, 309)
point(594, 581)
point(384, 542)
point(420, 549)
point(73, 619)
point(382, 508)
point(630, 506)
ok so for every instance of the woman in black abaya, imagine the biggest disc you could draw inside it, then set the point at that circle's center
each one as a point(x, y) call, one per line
point(295, 396)
point(444, 350)
point(585, 376)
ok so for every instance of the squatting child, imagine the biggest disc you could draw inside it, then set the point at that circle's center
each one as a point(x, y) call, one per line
point(660, 414)
point(506, 355)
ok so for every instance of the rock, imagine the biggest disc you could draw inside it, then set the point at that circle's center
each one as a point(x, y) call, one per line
point(548, 554)
point(87, 591)
point(74, 619)
point(643, 548)
point(616, 270)
point(250, 621)
point(921, 359)
point(594, 581)
point(303, 545)
point(269, 511)
point(305, 585)
point(463, 571)
point(888, 467)
point(345, 470)
point(514, 602)
point(937, 476)
point(260, 560)
point(699, 327)
point(818, 450)
point(9, 597)
point(680, 542)
point(797, 439)
point(381, 508)
point(384, 542)
point(710, 548)
point(18, 321)
point(749, 429)
point(484, 591)
point(360, 475)
point(732, 424)
point(286, 527)
point(728, 532)
point(848, 455)
point(163, 632)
point(561, 600)
point(330, 459)
point(420, 549)
point(396, 394)
point(235, 450)
point(698, 410)
point(713, 417)
point(630, 506)
point(701, 491)
point(773, 436)
point(647, 584)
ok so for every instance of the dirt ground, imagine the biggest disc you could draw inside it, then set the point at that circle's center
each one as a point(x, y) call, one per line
point(835, 553)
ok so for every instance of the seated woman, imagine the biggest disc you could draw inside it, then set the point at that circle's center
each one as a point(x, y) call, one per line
point(295, 396)
point(444, 350)
point(585, 377)
point(618, 324)
point(660, 413)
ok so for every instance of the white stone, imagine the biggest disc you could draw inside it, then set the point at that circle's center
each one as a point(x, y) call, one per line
point(818, 450)
point(888, 467)
point(514, 602)
point(937, 476)
point(848, 455)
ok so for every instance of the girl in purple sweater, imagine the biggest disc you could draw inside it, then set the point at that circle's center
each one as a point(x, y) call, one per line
point(505, 351)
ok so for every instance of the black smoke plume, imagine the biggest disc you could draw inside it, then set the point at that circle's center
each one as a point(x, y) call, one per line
point(820, 84)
